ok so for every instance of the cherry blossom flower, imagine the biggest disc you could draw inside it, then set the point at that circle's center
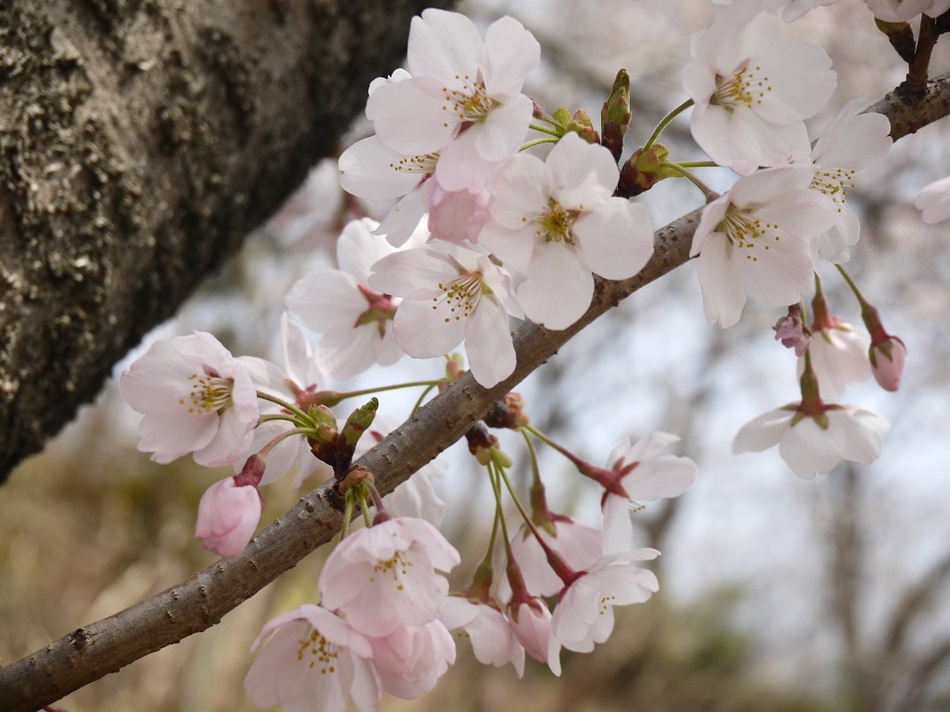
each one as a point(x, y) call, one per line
point(584, 614)
point(493, 640)
point(451, 293)
point(851, 142)
point(411, 659)
point(230, 510)
point(643, 472)
point(839, 355)
point(354, 321)
point(754, 241)
point(815, 445)
point(463, 99)
point(555, 222)
point(196, 397)
point(314, 661)
point(372, 171)
point(934, 201)
point(385, 576)
point(751, 96)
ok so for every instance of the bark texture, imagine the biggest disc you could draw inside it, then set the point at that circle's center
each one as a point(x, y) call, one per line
point(95, 650)
point(140, 141)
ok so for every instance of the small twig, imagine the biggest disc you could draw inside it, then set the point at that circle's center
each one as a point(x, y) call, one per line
point(916, 83)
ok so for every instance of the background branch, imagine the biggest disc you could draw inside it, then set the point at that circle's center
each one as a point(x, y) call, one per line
point(93, 651)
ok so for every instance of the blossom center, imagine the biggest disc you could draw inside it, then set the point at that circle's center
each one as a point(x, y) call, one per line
point(460, 296)
point(471, 102)
point(424, 164)
point(835, 183)
point(606, 603)
point(744, 87)
point(556, 223)
point(210, 393)
point(747, 232)
point(320, 651)
point(380, 310)
point(398, 566)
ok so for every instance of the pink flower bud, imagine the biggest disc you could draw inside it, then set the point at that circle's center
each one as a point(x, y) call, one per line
point(228, 515)
point(887, 363)
point(530, 621)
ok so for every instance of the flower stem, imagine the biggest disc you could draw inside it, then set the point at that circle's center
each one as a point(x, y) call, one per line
point(538, 141)
point(283, 404)
point(680, 168)
point(664, 122)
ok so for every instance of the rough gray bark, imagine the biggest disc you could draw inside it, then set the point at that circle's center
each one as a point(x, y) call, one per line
point(95, 650)
point(140, 141)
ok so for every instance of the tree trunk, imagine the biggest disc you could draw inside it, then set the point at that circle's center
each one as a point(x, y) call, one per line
point(141, 141)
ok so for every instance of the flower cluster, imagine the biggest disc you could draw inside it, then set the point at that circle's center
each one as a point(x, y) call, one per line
point(509, 234)
point(375, 630)
point(490, 223)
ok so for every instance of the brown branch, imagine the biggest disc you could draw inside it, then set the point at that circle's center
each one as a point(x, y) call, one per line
point(98, 649)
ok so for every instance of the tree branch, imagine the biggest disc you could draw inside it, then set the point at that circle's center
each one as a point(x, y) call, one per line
point(140, 141)
point(96, 650)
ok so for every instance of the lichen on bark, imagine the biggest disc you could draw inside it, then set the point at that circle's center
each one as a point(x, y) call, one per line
point(140, 140)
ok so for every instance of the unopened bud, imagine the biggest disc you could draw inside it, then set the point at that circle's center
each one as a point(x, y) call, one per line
point(615, 115)
point(325, 425)
point(481, 443)
point(643, 170)
point(359, 422)
point(454, 366)
point(582, 125)
point(887, 363)
point(507, 413)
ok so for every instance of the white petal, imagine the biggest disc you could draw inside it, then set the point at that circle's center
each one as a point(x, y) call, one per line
point(488, 344)
point(558, 288)
point(616, 238)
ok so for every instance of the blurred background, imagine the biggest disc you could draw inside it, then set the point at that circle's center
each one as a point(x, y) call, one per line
point(777, 593)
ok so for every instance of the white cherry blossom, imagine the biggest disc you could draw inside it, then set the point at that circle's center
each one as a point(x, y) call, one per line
point(451, 294)
point(354, 321)
point(644, 472)
point(463, 98)
point(851, 142)
point(384, 576)
point(411, 659)
point(196, 397)
point(839, 356)
point(810, 447)
point(493, 640)
point(755, 241)
point(313, 661)
point(556, 224)
point(751, 96)
point(584, 615)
